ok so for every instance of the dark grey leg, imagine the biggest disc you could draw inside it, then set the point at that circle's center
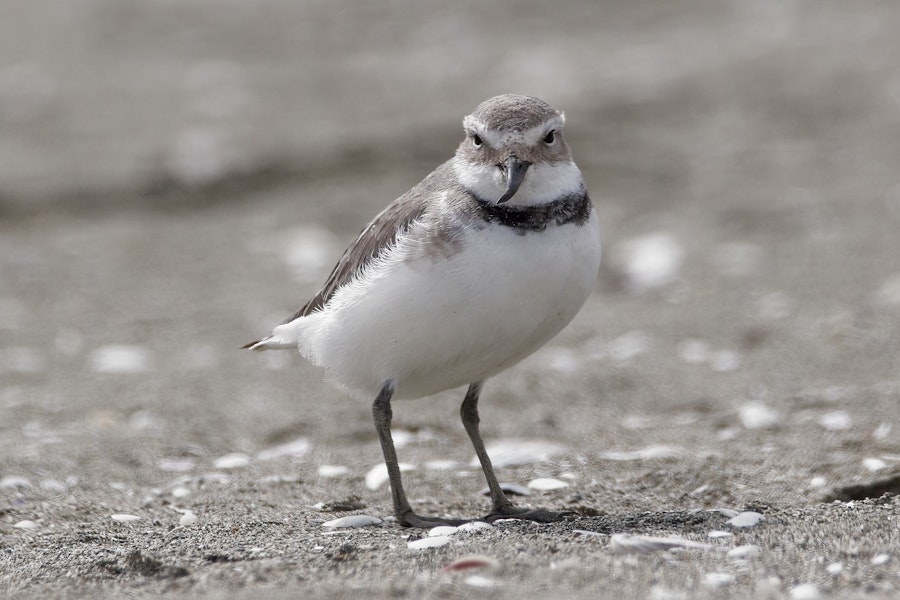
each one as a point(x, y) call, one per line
point(381, 411)
point(501, 507)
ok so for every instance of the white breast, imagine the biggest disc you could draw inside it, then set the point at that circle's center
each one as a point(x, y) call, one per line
point(437, 323)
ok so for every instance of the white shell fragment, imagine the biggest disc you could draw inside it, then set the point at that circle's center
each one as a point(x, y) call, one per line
point(837, 420)
point(805, 591)
point(378, 475)
point(332, 470)
point(746, 519)
point(473, 526)
point(545, 484)
point(626, 543)
point(295, 448)
point(511, 453)
point(442, 530)
point(352, 521)
point(873, 464)
point(124, 518)
point(756, 415)
point(881, 559)
point(25, 524)
point(120, 358)
point(234, 460)
point(429, 542)
point(187, 519)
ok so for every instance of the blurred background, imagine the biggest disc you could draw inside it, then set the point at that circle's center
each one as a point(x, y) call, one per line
point(178, 176)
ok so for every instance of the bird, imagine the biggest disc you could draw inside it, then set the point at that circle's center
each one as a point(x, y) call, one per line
point(470, 271)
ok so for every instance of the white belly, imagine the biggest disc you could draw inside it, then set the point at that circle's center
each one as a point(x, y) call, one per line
point(437, 323)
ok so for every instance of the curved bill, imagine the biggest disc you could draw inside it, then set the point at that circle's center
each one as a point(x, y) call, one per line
point(514, 169)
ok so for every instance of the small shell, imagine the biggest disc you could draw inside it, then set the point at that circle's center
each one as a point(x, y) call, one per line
point(429, 542)
point(545, 484)
point(124, 518)
point(352, 521)
point(746, 519)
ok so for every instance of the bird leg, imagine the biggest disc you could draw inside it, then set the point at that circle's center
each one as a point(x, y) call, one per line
point(501, 507)
point(382, 414)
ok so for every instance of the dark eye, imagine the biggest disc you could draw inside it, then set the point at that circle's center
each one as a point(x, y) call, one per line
point(550, 137)
point(476, 140)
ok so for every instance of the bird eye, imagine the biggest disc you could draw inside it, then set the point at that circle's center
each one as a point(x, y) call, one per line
point(476, 140)
point(550, 137)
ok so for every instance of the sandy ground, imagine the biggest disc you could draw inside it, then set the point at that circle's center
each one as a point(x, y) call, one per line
point(176, 178)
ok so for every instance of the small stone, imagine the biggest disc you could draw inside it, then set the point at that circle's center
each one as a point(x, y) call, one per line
point(874, 464)
point(429, 542)
point(544, 484)
point(834, 569)
point(235, 460)
point(187, 519)
point(805, 591)
point(25, 524)
point(124, 518)
point(442, 530)
point(329, 471)
point(881, 559)
point(756, 415)
point(746, 519)
point(13, 481)
point(479, 581)
point(837, 420)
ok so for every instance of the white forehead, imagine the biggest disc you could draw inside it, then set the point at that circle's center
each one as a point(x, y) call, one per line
point(497, 138)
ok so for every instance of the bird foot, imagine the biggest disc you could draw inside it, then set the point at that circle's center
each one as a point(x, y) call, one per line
point(411, 519)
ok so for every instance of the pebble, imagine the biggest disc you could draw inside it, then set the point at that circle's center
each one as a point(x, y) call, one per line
point(378, 475)
point(429, 542)
point(441, 465)
point(177, 464)
point(626, 543)
point(479, 581)
point(746, 519)
point(352, 521)
point(513, 452)
point(120, 359)
point(805, 591)
point(25, 524)
point(332, 470)
point(881, 559)
point(818, 482)
point(837, 420)
point(834, 569)
point(874, 464)
point(545, 484)
point(473, 526)
point(648, 261)
point(187, 519)
point(124, 518)
point(442, 530)
point(295, 448)
point(756, 415)
point(235, 460)
point(693, 351)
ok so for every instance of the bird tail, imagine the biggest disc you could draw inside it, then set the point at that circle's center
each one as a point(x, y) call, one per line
point(285, 337)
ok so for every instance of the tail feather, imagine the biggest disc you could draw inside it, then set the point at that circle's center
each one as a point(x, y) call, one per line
point(285, 337)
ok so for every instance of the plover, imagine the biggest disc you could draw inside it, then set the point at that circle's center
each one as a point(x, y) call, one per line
point(463, 276)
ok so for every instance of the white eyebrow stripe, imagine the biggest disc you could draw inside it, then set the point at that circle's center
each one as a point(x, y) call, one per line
point(498, 139)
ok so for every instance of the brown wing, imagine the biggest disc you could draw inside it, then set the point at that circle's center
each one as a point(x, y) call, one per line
point(378, 235)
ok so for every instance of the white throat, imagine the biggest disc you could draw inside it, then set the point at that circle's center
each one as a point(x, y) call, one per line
point(543, 182)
